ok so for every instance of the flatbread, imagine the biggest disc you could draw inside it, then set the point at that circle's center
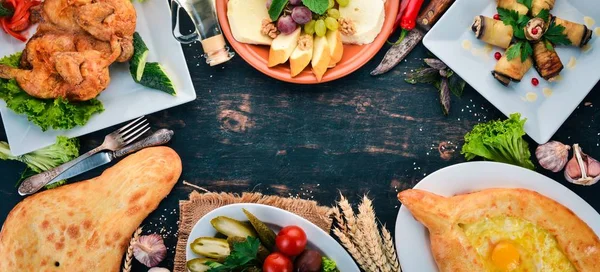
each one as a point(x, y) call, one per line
point(86, 226)
point(451, 249)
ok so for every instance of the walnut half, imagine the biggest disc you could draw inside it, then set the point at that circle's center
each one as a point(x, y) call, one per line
point(305, 42)
point(269, 29)
point(347, 27)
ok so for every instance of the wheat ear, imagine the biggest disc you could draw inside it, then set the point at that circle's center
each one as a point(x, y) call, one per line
point(347, 243)
point(129, 254)
point(349, 216)
point(337, 216)
point(367, 223)
point(390, 250)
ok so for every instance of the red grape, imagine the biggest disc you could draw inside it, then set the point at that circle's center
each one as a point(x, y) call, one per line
point(295, 2)
point(269, 3)
point(301, 15)
point(286, 24)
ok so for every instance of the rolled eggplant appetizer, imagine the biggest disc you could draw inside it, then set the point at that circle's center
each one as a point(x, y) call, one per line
point(506, 70)
point(578, 34)
point(538, 5)
point(492, 31)
point(513, 5)
point(546, 61)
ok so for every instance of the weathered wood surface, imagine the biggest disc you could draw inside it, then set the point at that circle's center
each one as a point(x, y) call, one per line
point(359, 135)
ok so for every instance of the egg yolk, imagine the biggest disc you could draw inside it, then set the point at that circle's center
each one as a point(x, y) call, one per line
point(505, 256)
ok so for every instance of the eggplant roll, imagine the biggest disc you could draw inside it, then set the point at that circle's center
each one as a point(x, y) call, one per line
point(492, 31)
point(513, 5)
point(507, 70)
point(538, 5)
point(578, 34)
point(546, 61)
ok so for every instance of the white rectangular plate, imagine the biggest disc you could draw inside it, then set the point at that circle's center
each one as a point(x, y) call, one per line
point(547, 113)
point(123, 99)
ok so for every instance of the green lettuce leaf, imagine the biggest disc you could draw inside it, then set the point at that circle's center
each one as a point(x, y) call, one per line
point(46, 113)
point(500, 141)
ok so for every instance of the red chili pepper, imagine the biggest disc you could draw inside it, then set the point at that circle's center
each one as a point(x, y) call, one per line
point(10, 32)
point(409, 19)
point(20, 18)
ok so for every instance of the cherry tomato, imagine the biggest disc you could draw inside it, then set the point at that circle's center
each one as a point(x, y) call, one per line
point(277, 262)
point(291, 240)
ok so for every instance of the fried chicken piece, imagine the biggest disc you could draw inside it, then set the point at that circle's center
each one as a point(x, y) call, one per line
point(76, 76)
point(105, 18)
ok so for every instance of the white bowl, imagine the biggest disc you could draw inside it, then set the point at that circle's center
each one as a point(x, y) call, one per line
point(412, 238)
point(277, 219)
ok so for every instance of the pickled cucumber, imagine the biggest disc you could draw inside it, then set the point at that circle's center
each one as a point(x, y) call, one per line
point(263, 252)
point(211, 247)
point(199, 264)
point(232, 227)
point(265, 234)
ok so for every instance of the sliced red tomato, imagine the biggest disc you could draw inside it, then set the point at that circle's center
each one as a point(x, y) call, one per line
point(277, 262)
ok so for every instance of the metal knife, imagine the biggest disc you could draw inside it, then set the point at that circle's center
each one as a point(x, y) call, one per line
point(159, 137)
point(426, 19)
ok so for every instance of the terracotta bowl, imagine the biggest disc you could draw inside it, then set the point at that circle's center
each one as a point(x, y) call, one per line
point(354, 57)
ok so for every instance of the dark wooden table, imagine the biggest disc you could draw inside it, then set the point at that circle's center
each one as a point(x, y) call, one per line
point(359, 135)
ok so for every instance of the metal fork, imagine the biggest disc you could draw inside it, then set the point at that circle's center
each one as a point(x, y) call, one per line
point(113, 141)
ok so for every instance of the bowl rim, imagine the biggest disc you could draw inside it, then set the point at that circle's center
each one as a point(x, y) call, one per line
point(260, 64)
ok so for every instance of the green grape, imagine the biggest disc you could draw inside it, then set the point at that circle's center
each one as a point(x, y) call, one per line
point(331, 4)
point(331, 23)
point(320, 28)
point(309, 28)
point(334, 13)
point(343, 3)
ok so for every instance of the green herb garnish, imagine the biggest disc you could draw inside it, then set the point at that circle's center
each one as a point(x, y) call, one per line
point(328, 265)
point(500, 141)
point(526, 3)
point(543, 14)
point(515, 20)
point(521, 48)
point(316, 6)
point(46, 113)
point(4, 11)
point(276, 8)
point(555, 34)
point(243, 255)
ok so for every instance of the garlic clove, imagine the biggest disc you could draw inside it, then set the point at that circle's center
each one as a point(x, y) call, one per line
point(150, 250)
point(582, 169)
point(553, 155)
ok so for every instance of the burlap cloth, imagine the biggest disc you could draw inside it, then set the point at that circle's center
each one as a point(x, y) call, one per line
point(190, 211)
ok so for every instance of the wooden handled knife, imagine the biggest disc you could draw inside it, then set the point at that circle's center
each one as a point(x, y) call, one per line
point(428, 16)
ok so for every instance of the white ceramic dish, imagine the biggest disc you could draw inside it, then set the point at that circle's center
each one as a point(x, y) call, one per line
point(544, 115)
point(275, 218)
point(123, 99)
point(412, 238)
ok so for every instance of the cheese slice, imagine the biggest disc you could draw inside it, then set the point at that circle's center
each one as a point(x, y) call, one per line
point(245, 19)
point(368, 17)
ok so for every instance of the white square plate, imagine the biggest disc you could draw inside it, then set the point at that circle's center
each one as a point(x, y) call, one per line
point(544, 115)
point(123, 99)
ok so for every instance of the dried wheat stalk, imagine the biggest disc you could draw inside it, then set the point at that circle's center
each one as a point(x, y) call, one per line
point(347, 243)
point(337, 217)
point(129, 254)
point(390, 250)
point(349, 216)
point(374, 243)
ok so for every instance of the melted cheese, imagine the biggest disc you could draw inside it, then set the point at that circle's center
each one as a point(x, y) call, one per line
point(513, 244)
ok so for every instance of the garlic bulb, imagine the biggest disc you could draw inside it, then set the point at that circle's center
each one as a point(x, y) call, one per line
point(150, 250)
point(582, 169)
point(553, 155)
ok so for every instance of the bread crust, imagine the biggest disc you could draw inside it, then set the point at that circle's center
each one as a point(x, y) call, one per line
point(86, 226)
point(451, 248)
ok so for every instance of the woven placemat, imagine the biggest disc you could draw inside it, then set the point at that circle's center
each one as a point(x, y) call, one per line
point(190, 211)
